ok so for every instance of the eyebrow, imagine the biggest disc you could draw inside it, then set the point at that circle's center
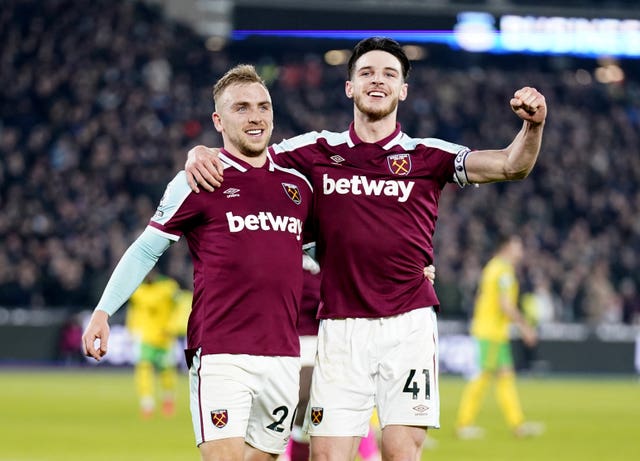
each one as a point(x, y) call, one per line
point(246, 103)
point(384, 68)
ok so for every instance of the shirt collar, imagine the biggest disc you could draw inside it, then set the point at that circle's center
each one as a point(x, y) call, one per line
point(386, 143)
point(231, 161)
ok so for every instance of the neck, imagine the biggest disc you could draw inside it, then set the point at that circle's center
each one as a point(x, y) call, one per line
point(370, 130)
point(256, 161)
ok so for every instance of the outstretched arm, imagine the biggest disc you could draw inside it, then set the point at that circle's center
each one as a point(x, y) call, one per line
point(517, 160)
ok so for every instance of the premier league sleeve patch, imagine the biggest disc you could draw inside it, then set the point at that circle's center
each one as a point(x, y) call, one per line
point(399, 164)
point(219, 418)
point(292, 192)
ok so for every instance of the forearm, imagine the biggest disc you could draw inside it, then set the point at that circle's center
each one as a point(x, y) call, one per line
point(131, 270)
point(523, 152)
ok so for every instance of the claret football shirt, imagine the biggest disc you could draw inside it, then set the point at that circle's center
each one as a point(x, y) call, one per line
point(376, 206)
point(245, 240)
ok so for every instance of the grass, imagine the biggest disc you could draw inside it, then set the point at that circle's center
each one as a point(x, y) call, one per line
point(91, 415)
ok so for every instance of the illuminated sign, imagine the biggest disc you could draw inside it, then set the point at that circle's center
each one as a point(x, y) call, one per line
point(481, 32)
point(579, 36)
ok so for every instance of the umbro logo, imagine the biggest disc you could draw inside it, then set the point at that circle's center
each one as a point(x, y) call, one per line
point(232, 192)
point(337, 159)
point(420, 409)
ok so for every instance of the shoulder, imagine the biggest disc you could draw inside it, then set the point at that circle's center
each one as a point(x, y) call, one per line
point(418, 144)
point(178, 185)
point(175, 194)
point(310, 139)
point(494, 267)
point(501, 269)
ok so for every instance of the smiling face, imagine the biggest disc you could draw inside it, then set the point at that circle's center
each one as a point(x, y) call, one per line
point(377, 85)
point(244, 117)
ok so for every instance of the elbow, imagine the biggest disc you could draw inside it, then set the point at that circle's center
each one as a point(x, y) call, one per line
point(517, 174)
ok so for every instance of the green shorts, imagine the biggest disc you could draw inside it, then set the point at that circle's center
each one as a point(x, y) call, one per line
point(495, 355)
point(160, 357)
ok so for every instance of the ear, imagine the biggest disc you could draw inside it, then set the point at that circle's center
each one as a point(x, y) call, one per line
point(217, 121)
point(403, 92)
point(348, 89)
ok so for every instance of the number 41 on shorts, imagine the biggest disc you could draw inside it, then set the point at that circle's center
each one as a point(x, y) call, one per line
point(412, 387)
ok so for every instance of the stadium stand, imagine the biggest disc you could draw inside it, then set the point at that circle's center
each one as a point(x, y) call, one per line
point(101, 101)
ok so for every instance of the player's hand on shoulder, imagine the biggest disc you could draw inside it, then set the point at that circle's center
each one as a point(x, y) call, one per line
point(529, 104)
point(203, 168)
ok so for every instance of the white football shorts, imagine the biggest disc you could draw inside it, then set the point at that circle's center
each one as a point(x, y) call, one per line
point(390, 363)
point(248, 396)
point(308, 348)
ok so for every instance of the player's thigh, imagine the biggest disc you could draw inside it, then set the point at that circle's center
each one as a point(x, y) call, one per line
point(231, 449)
point(334, 448)
point(402, 442)
point(253, 454)
point(407, 391)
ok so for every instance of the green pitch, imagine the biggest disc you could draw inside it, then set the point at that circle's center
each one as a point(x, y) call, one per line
point(92, 415)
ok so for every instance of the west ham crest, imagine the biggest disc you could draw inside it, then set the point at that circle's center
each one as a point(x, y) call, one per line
point(399, 164)
point(316, 415)
point(219, 418)
point(292, 192)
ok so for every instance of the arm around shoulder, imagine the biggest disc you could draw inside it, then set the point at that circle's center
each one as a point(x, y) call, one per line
point(204, 168)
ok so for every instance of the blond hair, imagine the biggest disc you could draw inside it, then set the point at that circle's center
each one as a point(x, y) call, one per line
point(241, 74)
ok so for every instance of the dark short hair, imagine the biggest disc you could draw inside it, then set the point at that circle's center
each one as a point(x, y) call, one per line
point(383, 44)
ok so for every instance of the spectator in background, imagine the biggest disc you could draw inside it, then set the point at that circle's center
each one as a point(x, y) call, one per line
point(540, 305)
point(495, 310)
point(601, 302)
point(630, 301)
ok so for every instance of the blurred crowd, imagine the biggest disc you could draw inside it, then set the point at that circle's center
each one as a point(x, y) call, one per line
point(101, 101)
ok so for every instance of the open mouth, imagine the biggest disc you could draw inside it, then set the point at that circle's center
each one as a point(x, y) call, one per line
point(255, 132)
point(376, 94)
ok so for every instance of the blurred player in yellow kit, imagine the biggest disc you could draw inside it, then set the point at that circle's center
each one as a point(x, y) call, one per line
point(495, 310)
point(157, 316)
